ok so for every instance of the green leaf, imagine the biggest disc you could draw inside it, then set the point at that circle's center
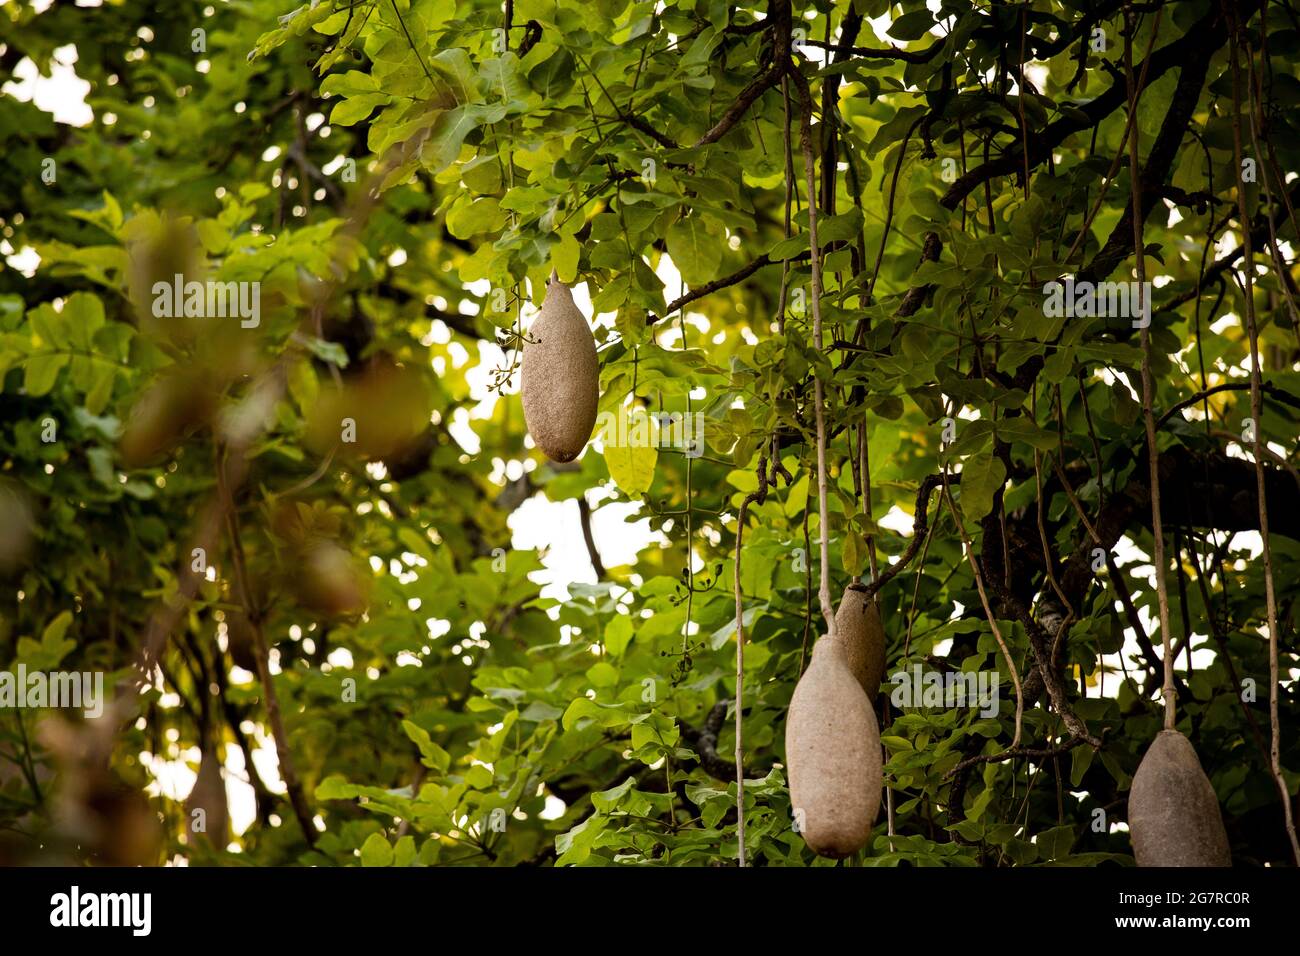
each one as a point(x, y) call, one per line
point(602, 674)
point(376, 851)
point(83, 316)
point(1054, 844)
point(605, 800)
point(1022, 429)
point(841, 228)
point(101, 466)
point(564, 257)
point(404, 851)
point(502, 81)
point(456, 68)
point(981, 476)
point(330, 352)
point(646, 732)
point(213, 235)
point(912, 26)
point(575, 846)
point(49, 326)
point(1080, 761)
point(853, 553)
point(11, 311)
point(728, 630)
point(471, 217)
point(579, 708)
point(629, 440)
point(101, 390)
point(449, 131)
point(41, 372)
point(478, 777)
point(356, 108)
point(335, 787)
point(52, 636)
point(431, 755)
point(349, 83)
point(696, 250)
point(618, 634)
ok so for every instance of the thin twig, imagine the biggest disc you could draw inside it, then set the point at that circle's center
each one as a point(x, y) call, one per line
point(988, 609)
point(1257, 412)
point(810, 176)
point(1148, 382)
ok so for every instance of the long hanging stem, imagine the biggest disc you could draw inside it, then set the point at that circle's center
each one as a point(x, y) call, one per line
point(788, 155)
point(809, 164)
point(864, 469)
point(297, 799)
point(740, 685)
point(1256, 413)
point(1148, 383)
point(969, 548)
point(759, 495)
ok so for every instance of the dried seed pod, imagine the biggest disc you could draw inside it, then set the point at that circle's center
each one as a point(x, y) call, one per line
point(1173, 813)
point(560, 381)
point(173, 407)
point(164, 253)
point(832, 747)
point(17, 526)
point(240, 640)
point(330, 582)
point(380, 411)
point(859, 631)
point(99, 818)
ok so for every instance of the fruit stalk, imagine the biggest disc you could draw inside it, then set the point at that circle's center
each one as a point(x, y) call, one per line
point(810, 176)
point(1148, 386)
point(1258, 451)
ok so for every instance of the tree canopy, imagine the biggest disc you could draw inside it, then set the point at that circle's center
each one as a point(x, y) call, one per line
point(898, 294)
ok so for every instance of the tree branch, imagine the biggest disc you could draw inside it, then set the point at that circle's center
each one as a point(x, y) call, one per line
point(584, 516)
point(778, 15)
point(744, 272)
point(705, 743)
point(1197, 44)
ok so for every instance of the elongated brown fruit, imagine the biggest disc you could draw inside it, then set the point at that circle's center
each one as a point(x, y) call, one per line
point(209, 795)
point(1173, 813)
point(240, 640)
point(560, 382)
point(174, 406)
point(861, 634)
point(330, 582)
point(832, 747)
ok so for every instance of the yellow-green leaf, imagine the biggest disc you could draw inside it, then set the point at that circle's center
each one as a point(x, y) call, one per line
point(630, 450)
point(41, 372)
point(564, 256)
